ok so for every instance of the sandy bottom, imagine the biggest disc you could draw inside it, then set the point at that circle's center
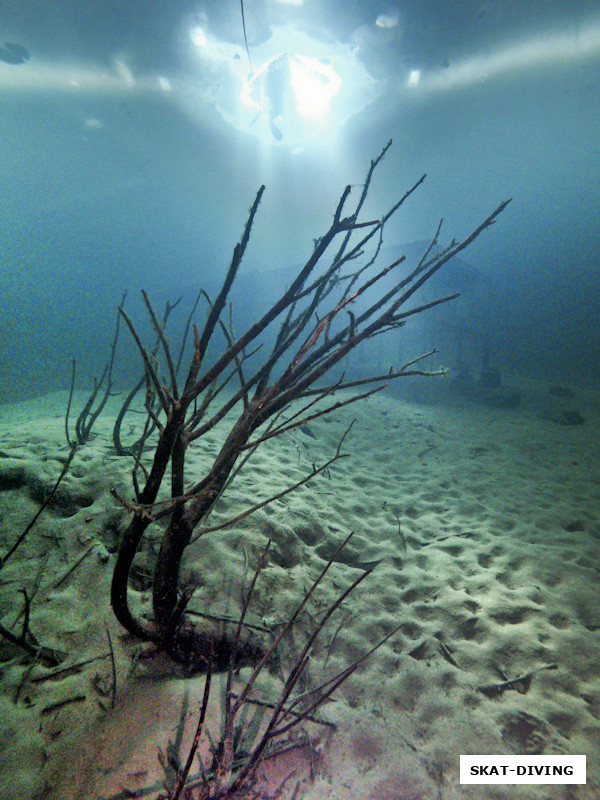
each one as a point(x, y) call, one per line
point(484, 527)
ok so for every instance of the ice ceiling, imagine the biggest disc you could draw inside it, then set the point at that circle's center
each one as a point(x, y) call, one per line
point(302, 81)
point(309, 66)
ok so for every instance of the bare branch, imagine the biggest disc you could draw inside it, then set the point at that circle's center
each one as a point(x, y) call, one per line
point(165, 345)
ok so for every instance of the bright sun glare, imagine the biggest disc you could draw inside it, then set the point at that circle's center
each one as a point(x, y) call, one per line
point(314, 86)
point(298, 89)
point(290, 86)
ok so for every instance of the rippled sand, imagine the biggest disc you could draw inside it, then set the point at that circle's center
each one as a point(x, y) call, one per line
point(482, 526)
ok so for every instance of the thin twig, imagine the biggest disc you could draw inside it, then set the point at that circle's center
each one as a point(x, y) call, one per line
point(183, 775)
point(113, 688)
point(74, 566)
point(44, 505)
point(59, 673)
point(69, 401)
point(47, 654)
point(234, 520)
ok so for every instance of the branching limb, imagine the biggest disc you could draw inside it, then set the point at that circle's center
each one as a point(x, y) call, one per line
point(148, 365)
point(310, 338)
point(165, 345)
point(89, 414)
point(215, 312)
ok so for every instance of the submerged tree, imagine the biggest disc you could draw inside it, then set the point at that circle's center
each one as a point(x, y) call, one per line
point(266, 382)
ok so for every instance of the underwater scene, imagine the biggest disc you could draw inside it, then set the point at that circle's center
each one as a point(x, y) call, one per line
point(300, 400)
